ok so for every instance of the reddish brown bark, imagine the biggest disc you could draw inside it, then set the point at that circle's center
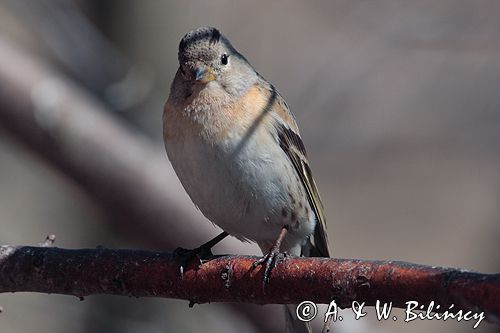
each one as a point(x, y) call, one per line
point(231, 279)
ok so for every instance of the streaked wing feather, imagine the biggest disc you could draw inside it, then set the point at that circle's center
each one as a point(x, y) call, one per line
point(292, 145)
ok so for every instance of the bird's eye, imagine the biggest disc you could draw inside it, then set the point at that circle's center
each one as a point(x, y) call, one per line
point(223, 59)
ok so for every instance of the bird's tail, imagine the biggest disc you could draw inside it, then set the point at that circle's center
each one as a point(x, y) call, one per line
point(308, 249)
point(293, 324)
point(317, 249)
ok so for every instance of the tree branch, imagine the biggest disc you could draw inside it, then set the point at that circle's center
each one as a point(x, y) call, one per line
point(231, 279)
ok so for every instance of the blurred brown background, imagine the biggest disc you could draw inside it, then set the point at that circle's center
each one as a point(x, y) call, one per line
point(398, 104)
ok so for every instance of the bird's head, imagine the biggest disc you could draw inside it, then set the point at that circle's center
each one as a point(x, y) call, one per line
point(207, 57)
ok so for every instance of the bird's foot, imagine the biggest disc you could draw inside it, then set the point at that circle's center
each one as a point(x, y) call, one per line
point(270, 261)
point(184, 257)
point(273, 258)
point(202, 253)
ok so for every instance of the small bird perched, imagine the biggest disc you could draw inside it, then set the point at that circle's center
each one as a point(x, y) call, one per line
point(236, 149)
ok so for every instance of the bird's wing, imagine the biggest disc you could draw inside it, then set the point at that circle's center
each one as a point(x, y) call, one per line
point(291, 143)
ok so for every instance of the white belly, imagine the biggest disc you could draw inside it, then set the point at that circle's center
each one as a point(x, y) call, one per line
point(250, 190)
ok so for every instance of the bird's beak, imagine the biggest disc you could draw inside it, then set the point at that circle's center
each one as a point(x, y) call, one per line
point(203, 74)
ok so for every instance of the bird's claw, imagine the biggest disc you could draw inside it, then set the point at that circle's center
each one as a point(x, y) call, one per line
point(185, 256)
point(201, 253)
point(270, 261)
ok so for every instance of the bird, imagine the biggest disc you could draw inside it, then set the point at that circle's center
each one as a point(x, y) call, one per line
point(236, 149)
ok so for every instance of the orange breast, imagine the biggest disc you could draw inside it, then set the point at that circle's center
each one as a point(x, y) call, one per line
point(249, 112)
